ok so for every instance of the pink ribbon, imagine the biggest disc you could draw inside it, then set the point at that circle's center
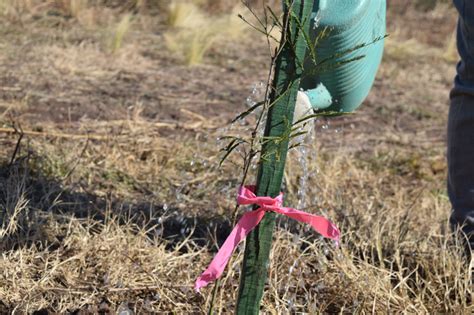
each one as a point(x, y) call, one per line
point(250, 220)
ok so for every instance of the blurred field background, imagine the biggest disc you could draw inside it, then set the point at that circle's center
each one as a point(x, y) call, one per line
point(111, 195)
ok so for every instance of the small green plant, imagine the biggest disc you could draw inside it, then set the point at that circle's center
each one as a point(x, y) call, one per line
point(4, 6)
point(193, 33)
point(119, 33)
point(15, 9)
point(191, 44)
point(451, 52)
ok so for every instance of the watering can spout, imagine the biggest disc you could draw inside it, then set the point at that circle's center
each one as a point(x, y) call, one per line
point(319, 97)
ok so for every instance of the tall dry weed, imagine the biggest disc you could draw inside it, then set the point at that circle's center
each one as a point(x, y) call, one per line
point(451, 49)
point(183, 14)
point(74, 7)
point(121, 29)
point(193, 32)
point(14, 209)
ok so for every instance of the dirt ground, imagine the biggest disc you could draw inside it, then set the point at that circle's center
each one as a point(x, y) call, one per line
point(110, 173)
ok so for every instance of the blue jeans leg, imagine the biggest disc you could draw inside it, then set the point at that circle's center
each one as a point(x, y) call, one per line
point(461, 162)
point(461, 126)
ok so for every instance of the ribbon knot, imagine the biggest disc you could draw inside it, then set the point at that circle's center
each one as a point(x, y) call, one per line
point(247, 196)
point(250, 220)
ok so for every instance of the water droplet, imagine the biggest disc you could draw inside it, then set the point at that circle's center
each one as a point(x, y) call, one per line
point(303, 161)
point(106, 278)
point(319, 287)
point(124, 310)
point(291, 304)
point(317, 20)
point(147, 304)
point(158, 232)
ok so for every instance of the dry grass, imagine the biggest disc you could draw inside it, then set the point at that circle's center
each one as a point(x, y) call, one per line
point(123, 252)
point(127, 217)
point(193, 32)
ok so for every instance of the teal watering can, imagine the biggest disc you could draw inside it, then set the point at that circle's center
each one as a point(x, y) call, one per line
point(350, 23)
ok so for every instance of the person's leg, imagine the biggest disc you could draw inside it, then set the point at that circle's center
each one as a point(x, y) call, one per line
point(461, 127)
point(461, 163)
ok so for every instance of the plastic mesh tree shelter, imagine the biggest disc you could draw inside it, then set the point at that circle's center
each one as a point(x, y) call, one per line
point(285, 85)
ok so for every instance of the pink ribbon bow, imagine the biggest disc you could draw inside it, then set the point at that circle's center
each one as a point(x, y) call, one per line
point(250, 220)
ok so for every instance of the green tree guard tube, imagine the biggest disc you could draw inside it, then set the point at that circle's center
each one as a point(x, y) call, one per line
point(288, 72)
